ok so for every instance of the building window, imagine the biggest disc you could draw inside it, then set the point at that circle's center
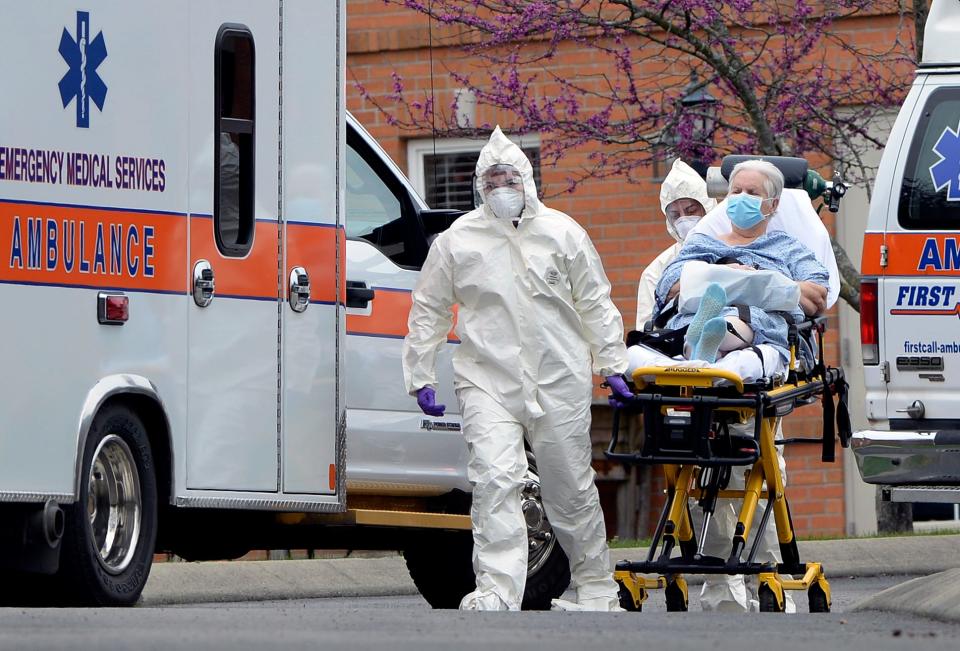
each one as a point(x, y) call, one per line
point(442, 171)
point(234, 114)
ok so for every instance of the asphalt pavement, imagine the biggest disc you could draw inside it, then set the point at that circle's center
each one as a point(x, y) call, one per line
point(935, 558)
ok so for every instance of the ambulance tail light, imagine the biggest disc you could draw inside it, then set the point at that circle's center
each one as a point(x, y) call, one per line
point(869, 333)
point(112, 309)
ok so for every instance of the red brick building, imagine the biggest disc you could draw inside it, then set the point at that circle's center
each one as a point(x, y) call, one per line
point(623, 219)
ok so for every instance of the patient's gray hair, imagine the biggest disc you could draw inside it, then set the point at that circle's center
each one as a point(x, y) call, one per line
point(772, 177)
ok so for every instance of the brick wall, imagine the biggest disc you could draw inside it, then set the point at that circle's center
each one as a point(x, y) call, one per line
point(623, 219)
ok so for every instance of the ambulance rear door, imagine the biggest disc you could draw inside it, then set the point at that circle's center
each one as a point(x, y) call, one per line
point(233, 436)
point(919, 306)
point(312, 412)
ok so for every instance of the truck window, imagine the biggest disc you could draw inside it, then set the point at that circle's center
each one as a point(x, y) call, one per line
point(375, 213)
point(234, 108)
point(930, 192)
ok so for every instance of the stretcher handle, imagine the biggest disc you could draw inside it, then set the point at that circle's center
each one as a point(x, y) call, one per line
point(692, 376)
point(660, 459)
point(615, 437)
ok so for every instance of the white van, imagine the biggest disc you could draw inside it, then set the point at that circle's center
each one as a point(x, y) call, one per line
point(910, 293)
point(206, 274)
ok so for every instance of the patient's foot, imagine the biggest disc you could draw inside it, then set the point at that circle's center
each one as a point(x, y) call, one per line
point(713, 333)
point(711, 305)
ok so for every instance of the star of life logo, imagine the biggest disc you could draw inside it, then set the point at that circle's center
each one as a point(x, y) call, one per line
point(82, 82)
point(945, 173)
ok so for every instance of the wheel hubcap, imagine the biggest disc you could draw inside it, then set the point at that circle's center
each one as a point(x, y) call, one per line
point(113, 503)
point(540, 535)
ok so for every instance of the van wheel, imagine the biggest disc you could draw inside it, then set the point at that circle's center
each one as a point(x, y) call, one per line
point(441, 563)
point(110, 531)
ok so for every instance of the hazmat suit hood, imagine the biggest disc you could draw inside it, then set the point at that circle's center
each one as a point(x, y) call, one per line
point(683, 183)
point(500, 150)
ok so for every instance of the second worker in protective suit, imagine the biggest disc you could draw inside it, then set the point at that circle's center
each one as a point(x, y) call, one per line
point(535, 321)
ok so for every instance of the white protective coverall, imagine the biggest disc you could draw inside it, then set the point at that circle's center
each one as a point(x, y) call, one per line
point(681, 183)
point(535, 315)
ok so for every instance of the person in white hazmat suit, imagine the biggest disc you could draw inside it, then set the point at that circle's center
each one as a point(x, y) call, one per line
point(534, 314)
point(683, 200)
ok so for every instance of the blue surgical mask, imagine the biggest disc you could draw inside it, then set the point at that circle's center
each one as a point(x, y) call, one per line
point(744, 210)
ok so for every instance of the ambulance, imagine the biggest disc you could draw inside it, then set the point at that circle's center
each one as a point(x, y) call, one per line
point(206, 274)
point(910, 291)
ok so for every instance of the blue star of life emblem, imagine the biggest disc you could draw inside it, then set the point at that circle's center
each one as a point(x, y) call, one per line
point(946, 171)
point(82, 81)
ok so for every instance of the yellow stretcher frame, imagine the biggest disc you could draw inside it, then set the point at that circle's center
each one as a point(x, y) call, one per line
point(763, 481)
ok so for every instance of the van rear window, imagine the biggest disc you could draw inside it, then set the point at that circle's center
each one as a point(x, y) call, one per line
point(930, 192)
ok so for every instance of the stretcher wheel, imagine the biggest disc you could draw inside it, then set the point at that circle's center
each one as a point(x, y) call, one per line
point(768, 600)
point(676, 598)
point(626, 599)
point(817, 599)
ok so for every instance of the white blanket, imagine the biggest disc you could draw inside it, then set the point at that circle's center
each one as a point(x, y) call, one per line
point(744, 363)
point(766, 289)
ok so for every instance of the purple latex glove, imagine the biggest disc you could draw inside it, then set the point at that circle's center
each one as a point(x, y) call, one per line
point(427, 399)
point(618, 388)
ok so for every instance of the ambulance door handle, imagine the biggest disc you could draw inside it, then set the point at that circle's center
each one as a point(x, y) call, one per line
point(358, 294)
point(203, 283)
point(299, 289)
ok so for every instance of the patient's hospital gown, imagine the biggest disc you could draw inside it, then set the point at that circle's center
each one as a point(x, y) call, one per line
point(774, 250)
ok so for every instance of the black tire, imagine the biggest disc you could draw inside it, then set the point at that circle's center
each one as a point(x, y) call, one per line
point(87, 578)
point(626, 599)
point(768, 600)
point(441, 566)
point(817, 599)
point(676, 600)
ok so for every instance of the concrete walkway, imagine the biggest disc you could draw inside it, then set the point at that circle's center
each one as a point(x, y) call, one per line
point(175, 583)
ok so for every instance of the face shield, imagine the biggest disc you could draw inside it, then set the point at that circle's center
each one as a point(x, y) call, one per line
point(502, 189)
point(683, 214)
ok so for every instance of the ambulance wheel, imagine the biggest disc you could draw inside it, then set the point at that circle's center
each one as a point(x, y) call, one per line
point(676, 599)
point(817, 599)
point(111, 529)
point(626, 599)
point(768, 600)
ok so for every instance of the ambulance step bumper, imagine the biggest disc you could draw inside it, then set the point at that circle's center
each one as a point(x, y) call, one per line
point(908, 457)
point(932, 494)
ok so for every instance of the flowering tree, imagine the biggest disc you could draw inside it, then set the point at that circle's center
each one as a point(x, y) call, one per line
point(790, 79)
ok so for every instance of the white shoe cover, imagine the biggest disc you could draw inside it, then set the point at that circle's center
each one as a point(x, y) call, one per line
point(477, 600)
point(595, 604)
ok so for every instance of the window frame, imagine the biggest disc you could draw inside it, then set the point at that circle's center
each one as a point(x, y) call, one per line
point(415, 240)
point(222, 124)
point(418, 149)
point(917, 137)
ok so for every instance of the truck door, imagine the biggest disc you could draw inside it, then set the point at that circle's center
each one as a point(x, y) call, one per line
point(393, 446)
point(232, 414)
point(920, 291)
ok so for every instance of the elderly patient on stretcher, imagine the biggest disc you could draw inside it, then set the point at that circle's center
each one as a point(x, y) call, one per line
point(734, 292)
